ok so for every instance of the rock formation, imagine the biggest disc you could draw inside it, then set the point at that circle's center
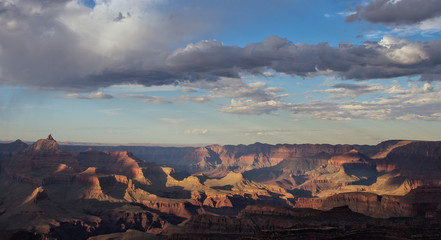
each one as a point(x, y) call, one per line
point(248, 190)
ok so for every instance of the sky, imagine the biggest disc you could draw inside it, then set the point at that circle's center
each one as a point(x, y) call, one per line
point(226, 72)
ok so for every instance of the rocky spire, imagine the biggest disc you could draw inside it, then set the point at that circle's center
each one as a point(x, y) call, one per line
point(50, 137)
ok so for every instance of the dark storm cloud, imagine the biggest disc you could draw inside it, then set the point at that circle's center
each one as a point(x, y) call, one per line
point(396, 12)
point(388, 58)
point(61, 45)
point(134, 76)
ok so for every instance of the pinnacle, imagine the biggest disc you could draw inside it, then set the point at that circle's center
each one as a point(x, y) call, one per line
point(50, 137)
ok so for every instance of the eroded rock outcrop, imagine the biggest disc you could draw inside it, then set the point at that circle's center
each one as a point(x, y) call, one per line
point(415, 203)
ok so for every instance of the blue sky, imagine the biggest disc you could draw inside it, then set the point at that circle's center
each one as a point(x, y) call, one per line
point(226, 72)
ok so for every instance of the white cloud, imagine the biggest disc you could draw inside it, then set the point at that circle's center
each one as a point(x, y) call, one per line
point(402, 51)
point(197, 99)
point(269, 74)
point(235, 88)
point(431, 25)
point(427, 87)
point(245, 98)
point(415, 103)
point(354, 90)
point(346, 13)
point(197, 131)
point(252, 107)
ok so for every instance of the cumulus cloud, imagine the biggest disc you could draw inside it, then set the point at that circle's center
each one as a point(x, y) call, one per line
point(403, 51)
point(388, 58)
point(396, 12)
point(65, 45)
point(427, 87)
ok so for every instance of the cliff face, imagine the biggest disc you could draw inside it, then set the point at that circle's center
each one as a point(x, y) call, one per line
point(255, 156)
point(418, 159)
point(391, 167)
point(123, 163)
point(264, 222)
point(416, 203)
point(239, 158)
point(388, 155)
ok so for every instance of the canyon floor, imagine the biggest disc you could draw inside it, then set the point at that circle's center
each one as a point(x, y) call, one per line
point(287, 191)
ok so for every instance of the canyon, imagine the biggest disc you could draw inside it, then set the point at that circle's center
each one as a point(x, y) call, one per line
point(260, 190)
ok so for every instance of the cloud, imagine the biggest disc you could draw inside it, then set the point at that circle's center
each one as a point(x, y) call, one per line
point(197, 131)
point(268, 74)
point(235, 88)
point(98, 95)
point(245, 98)
point(387, 58)
point(189, 90)
point(403, 51)
point(415, 103)
point(427, 87)
point(146, 98)
point(396, 12)
point(65, 45)
point(78, 48)
point(353, 90)
point(252, 107)
point(270, 132)
point(197, 99)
